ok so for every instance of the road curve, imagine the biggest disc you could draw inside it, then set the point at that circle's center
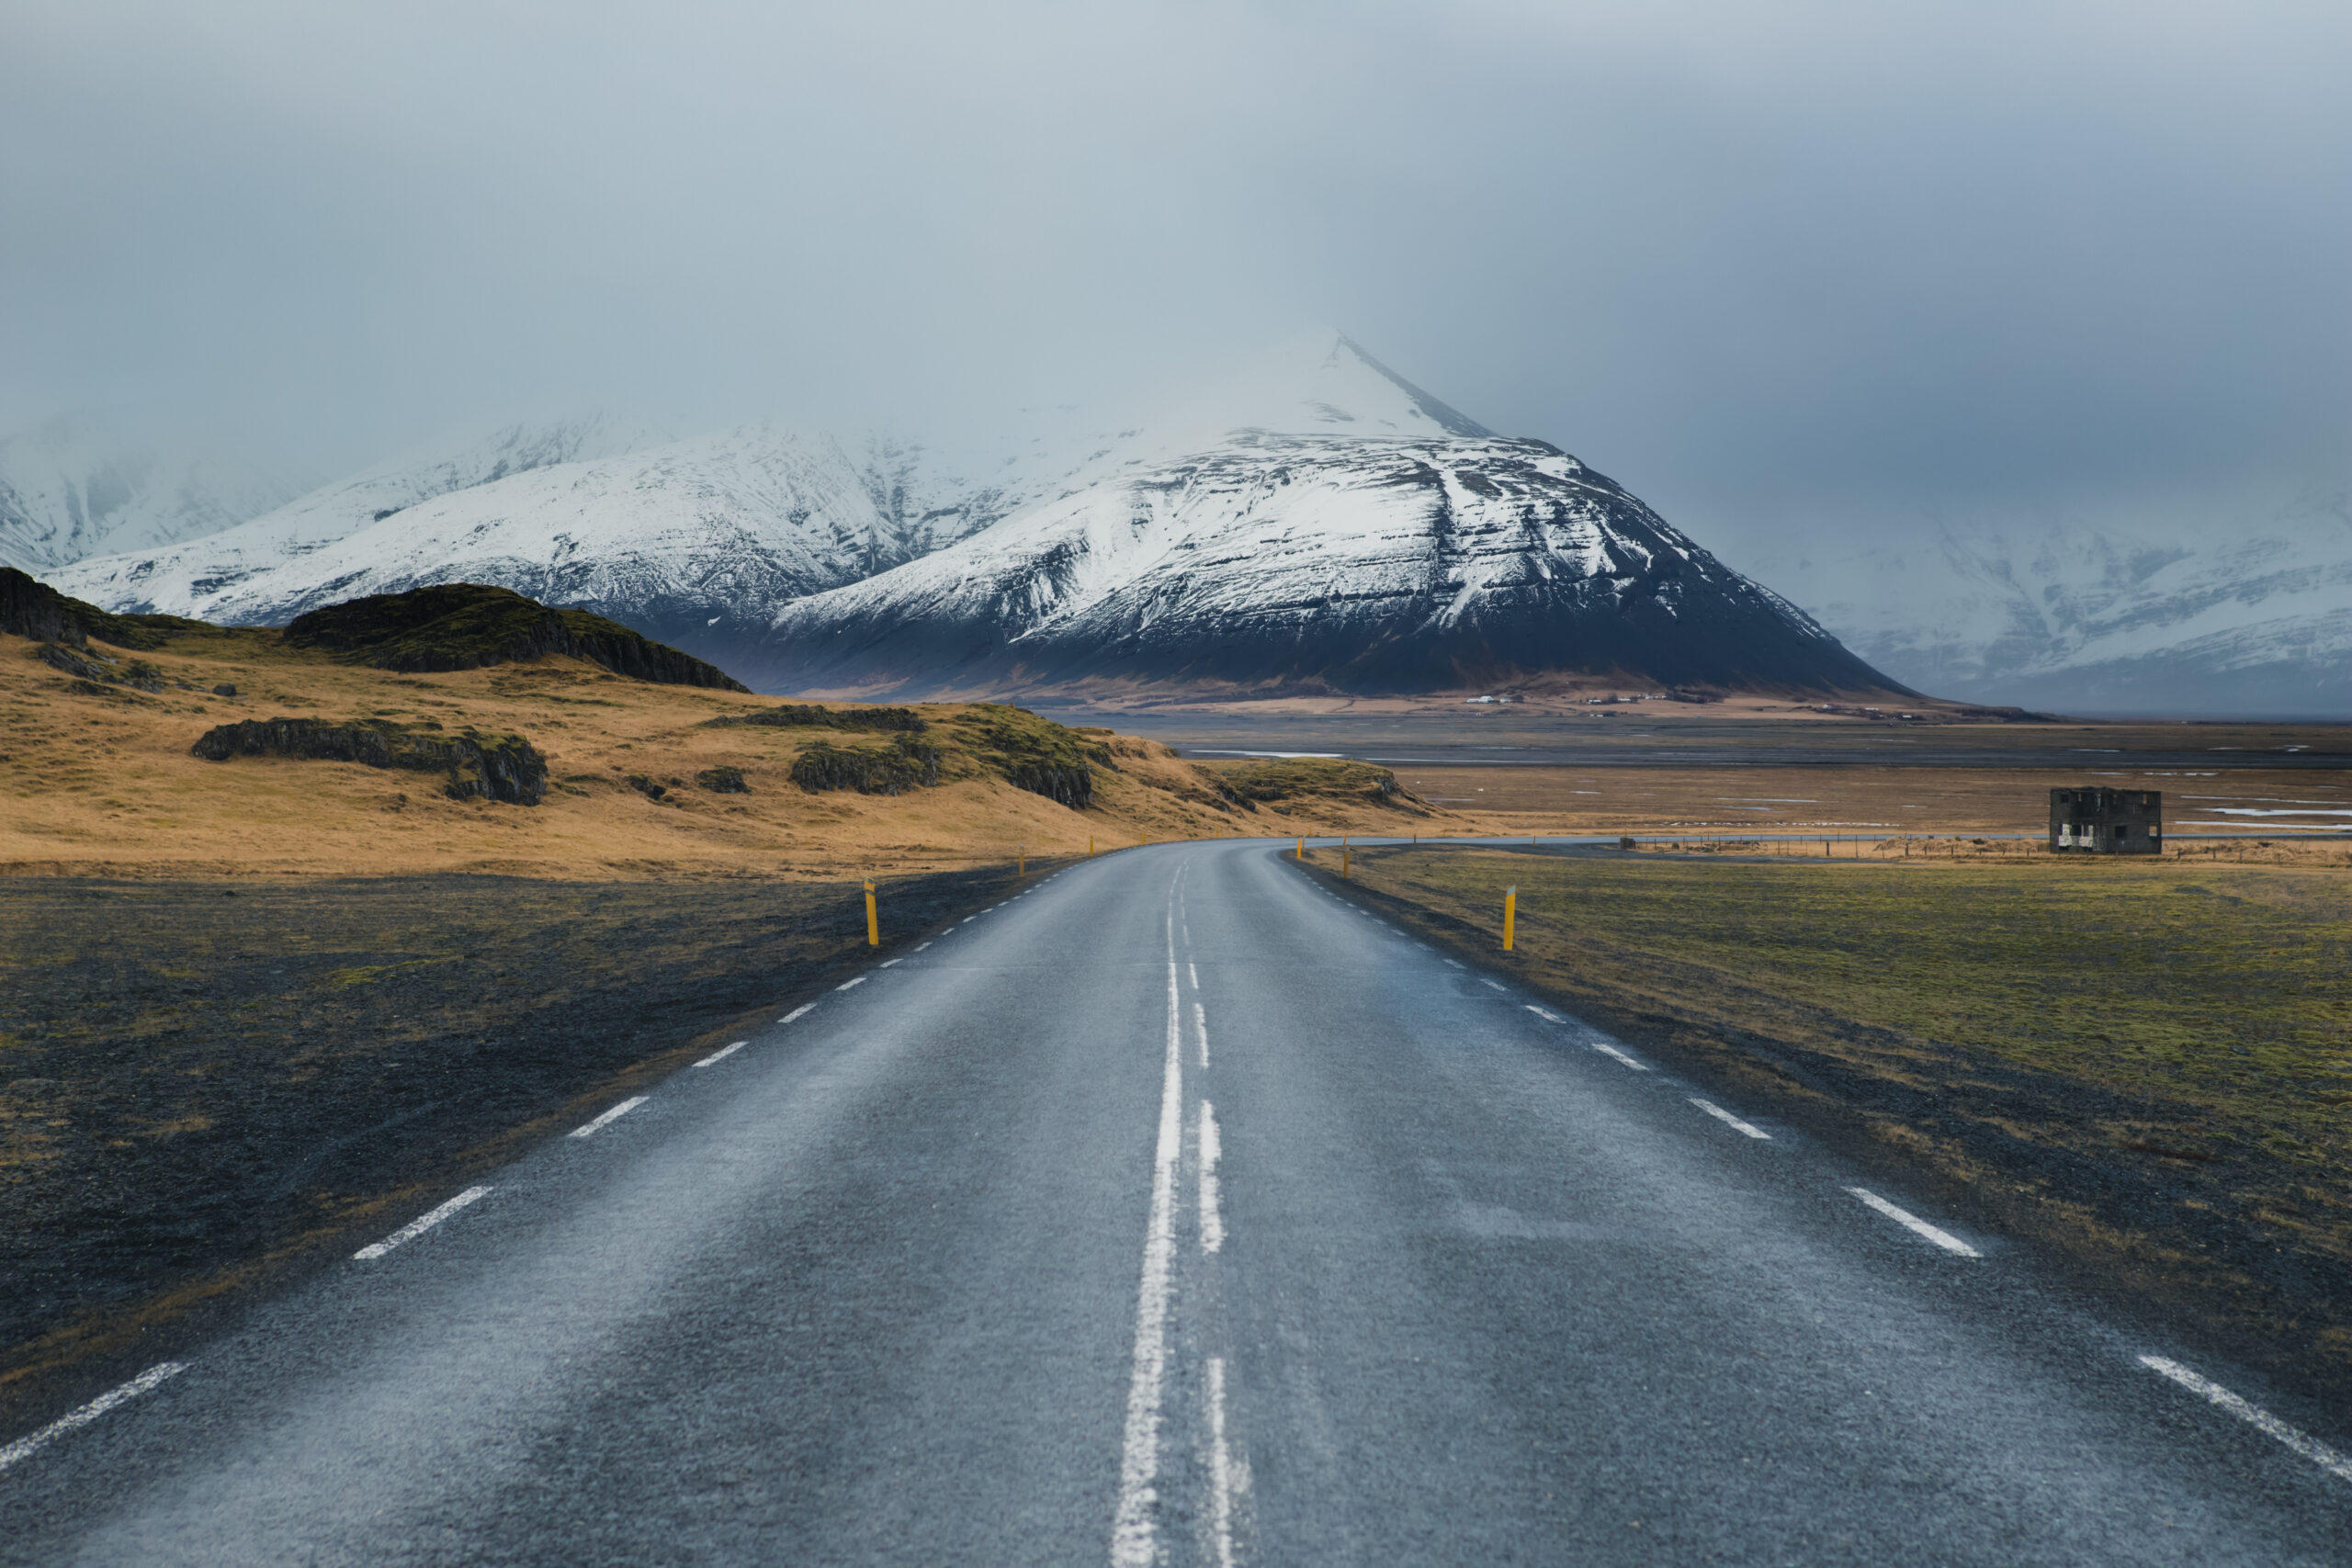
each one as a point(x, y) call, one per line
point(1179, 1212)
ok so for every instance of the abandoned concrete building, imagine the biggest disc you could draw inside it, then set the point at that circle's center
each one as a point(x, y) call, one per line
point(2108, 821)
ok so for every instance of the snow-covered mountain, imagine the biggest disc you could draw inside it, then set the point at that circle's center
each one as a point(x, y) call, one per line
point(2240, 614)
point(88, 486)
point(1277, 562)
point(1315, 520)
point(226, 575)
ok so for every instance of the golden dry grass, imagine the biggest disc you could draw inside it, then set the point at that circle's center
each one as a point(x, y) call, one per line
point(99, 781)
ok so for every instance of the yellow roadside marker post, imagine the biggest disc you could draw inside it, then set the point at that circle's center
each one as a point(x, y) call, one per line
point(1089, 846)
point(1510, 915)
point(873, 920)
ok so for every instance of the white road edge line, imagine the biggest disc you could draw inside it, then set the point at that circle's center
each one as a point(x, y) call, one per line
point(25, 1448)
point(1606, 1049)
point(2254, 1416)
point(800, 1011)
point(853, 980)
point(1134, 1530)
point(723, 1054)
point(1226, 1477)
point(1728, 1120)
point(1212, 1217)
point(1914, 1223)
point(616, 1113)
point(417, 1227)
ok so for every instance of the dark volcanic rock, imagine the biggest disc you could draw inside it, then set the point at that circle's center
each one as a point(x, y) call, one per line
point(492, 767)
point(464, 626)
point(723, 780)
point(906, 764)
point(31, 608)
point(792, 716)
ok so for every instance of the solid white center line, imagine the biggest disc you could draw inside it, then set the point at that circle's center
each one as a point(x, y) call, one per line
point(1606, 1049)
point(1134, 1530)
point(723, 1054)
point(1226, 1477)
point(1201, 1028)
point(1212, 1217)
point(1728, 1120)
point(888, 962)
point(845, 985)
point(2261, 1420)
point(800, 1011)
point(25, 1447)
point(617, 1111)
point(417, 1227)
point(1914, 1223)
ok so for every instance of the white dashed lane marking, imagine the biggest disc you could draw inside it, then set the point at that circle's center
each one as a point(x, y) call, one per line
point(1914, 1224)
point(855, 980)
point(1728, 1120)
point(723, 1054)
point(25, 1448)
point(800, 1011)
point(1606, 1049)
point(417, 1227)
point(2261, 1420)
point(609, 1117)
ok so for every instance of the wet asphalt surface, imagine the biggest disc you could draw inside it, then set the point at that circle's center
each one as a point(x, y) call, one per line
point(953, 1268)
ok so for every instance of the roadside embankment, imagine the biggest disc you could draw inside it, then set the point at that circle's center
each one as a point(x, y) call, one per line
point(2145, 1064)
point(202, 1087)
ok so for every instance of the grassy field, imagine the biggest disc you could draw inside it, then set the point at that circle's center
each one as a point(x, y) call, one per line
point(2156, 1057)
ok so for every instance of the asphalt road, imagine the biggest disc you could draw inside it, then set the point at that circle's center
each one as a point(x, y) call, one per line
point(1179, 1210)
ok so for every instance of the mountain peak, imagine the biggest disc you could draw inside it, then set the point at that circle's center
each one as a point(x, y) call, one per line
point(1317, 383)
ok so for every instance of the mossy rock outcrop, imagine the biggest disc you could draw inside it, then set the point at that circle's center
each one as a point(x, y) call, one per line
point(29, 607)
point(1032, 753)
point(906, 763)
point(465, 626)
point(798, 715)
point(489, 767)
point(1308, 778)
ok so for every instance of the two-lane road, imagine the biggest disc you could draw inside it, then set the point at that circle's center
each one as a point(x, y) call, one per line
point(1179, 1212)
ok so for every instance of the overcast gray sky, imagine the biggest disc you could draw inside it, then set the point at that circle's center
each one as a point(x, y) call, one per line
point(1747, 257)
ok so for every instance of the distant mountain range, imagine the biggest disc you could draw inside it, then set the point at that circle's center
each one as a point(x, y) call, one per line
point(92, 486)
point(1316, 523)
point(2250, 614)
